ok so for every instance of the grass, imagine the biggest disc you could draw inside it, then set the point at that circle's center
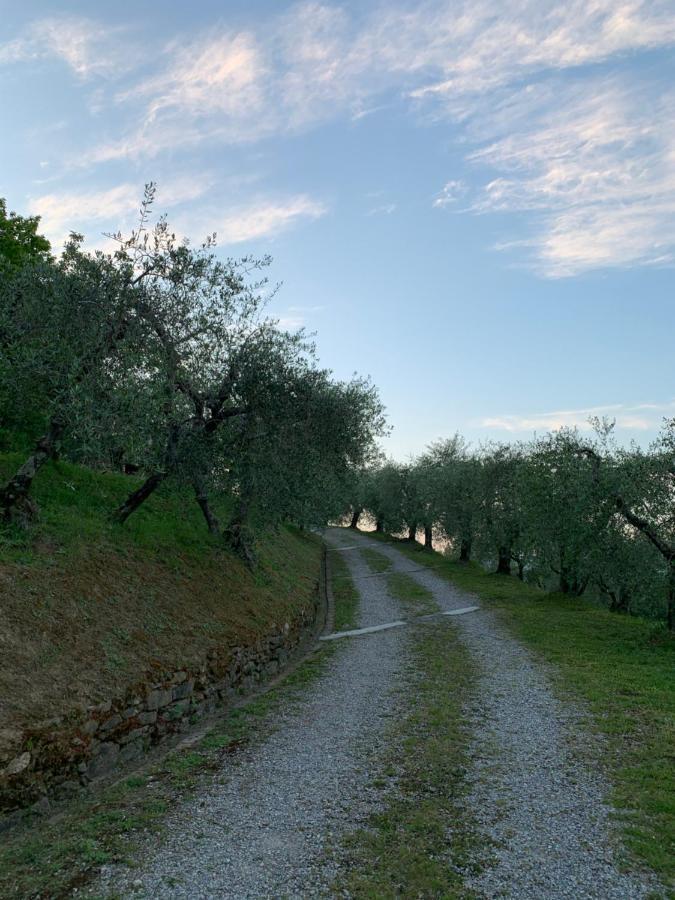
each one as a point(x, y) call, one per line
point(412, 595)
point(50, 857)
point(623, 668)
point(416, 599)
point(345, 595)
point(89, 607)
point(421, 840)
point(377, 562)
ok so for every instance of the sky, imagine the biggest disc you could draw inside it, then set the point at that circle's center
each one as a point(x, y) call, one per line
point(470, 201)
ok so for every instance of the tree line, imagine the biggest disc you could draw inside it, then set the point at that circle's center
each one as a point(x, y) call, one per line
point(158, 359)
point(566, 511)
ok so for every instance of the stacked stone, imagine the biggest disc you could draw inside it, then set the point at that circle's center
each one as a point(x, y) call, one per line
point(58, 758)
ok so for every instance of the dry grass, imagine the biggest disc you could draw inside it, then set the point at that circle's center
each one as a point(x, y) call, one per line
point(89, 609)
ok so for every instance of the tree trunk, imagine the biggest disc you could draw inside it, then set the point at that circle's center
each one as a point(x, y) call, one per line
point(412, 533)
point(138, 497)
point(521, 567)
point(572, 584)
point(465, 550)
point(671, 596)
point(237, 535)
point(356, 515)
point(428, 538)
point(379, 526)
point(619, 601)
point(504, 564)
point(14, 500)
point(203, 500)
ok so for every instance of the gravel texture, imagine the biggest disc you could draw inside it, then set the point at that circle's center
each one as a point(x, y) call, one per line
point(261, 828)
point(536, 791)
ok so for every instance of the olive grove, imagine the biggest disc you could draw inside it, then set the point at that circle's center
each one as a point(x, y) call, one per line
point(158, 358)
point(569, 512)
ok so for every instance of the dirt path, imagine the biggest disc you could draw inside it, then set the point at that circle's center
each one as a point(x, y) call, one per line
point(536, 788)
point(261, 828)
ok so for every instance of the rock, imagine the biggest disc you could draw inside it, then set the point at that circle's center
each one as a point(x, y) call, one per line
point(135, 734)
point(159, 698)
point(148, 718)
point(90, 727)
point(131, 751)
point(105, 761)
point(10, 741)
point(42, 806)
point(18, 764)
point(109, 724)
point(181, 691)
point(177, 710)
point(67, 789)
point(179, 677)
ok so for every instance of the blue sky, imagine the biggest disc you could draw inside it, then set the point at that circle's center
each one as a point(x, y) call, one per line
point(472, 202)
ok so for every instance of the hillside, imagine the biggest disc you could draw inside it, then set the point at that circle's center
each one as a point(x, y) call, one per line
point(91, 608)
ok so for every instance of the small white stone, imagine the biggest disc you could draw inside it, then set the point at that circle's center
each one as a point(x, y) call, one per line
point(18, 764)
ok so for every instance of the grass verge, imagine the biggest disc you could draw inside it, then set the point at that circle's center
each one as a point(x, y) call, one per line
point(421, 840)
point(622, 667)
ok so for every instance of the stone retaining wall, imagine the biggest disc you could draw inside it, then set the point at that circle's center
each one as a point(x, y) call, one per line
point(55, 759)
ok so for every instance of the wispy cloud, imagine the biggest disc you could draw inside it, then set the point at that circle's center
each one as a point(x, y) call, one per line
point(86, 46)
point(598, 168)
point(297, 316)
point(110, 209)
point(480, 45)
point(452, 192)
point(640, 417)
point(265, 218)
point(591, 166)
point(384, 209)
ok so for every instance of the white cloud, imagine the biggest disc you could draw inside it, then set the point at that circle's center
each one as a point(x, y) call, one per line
point(592, 165)
point(598, 168)
point(220, 74)
point(640, 417)
point(106, 210)
point(385, 209)
point(479, 45)
point(451, 193)
point(87, 47)
point(264, 219)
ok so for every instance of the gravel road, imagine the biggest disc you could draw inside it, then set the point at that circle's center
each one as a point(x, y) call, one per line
point(261, 828)
point(536, 788)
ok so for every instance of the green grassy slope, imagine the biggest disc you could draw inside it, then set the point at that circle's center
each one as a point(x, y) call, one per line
point(89, 607)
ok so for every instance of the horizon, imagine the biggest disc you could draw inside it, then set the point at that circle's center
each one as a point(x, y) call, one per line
point(475, 209)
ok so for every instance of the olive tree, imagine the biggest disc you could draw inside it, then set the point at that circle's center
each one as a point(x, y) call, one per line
point(639, 486)
point(501, 531)
point(63, 325)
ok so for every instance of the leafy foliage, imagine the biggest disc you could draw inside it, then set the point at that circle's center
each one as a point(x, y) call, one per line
point(159, 359)
point(576, 515)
